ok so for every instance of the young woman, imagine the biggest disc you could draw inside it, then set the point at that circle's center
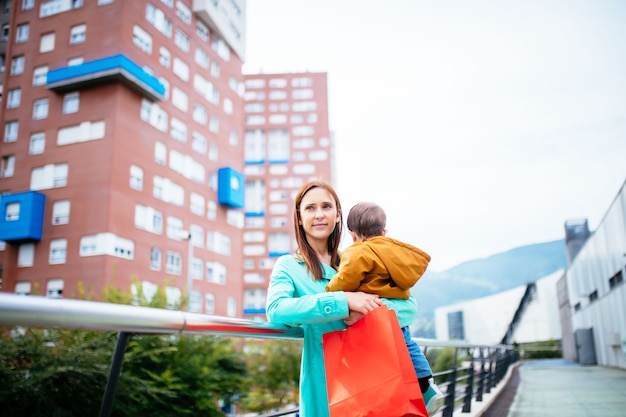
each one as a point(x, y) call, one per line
point(297, 291)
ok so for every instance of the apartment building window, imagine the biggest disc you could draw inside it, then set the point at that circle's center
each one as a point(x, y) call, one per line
point(53, 7)
point(179, 130)
point(12, 212)
point(164, 57)
point(200, 114)
point(71, 103)
point(196, 204)
point(181, 70)
point(78, 34)
point(40, 75)
point(233, 138)
point(173, 263)
point(174, 228)
point(55, 288)
point(22, 288)
point(5, 33)
point(216, 273)
point(8, 166)
point(61, 212)
point(17, 65)
point(49, 176)
point(202, 58)
point(218, 242)
point(231, 307)
point(211, 210)
point(302, 82)
point(46, 43)
point(179, 100)
point(209, 303)
point(104, 2)
point(302, 94)
point(86, 131)
point(215, 69)
point(255, 196)
point(37, 143)
point(26, 255)
point(75, 61)
point(148, 219)
point(40, 109)
point(155, 259)
point(14, 98)
point(21, 34)
point(142, 39)
point(10, 131)
point(160, 153)
point(153, 114)
point(157, 18)
point(228, 106)
point(136, 177)
point(183, 12)
point(58, 249)
point(214, 124)
point(168, 3)
point(278, 145)
point(181, 40)
point(221, 48)
point(254, 146)
point(213, 151)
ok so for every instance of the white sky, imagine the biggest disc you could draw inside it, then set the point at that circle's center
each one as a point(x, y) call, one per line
point(478, 125)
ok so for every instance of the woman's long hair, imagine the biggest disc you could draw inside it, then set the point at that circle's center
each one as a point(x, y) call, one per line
point(305, 250)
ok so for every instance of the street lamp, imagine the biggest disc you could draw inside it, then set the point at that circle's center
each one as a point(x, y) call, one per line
point(186, 235)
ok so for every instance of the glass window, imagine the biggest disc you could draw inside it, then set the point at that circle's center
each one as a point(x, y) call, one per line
point(40, 109)
point(164, 57)
point(37, 143)
point(14, 98)
point(8, 166)
point(10, 131)
point(71, 102)
point(55, 288)
point(17, 65)
point(13, 212)
point(22, 33)
point(142, 39)
point(155, 259)
point(58, 248)
point(136, 177)
point(46, 43)
point(26, 255)
point(61, 212)
point(40, 75)
point(78, 34)
point(181, 40)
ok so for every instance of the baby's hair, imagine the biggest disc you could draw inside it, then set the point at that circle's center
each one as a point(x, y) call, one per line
point(367, 220)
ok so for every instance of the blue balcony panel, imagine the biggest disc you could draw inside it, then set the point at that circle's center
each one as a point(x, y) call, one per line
point(117, 68)
point(230, 187)
point(25, 223)
point(255, 162)
point(255, 213)
point(279, 161)
point(278, 254)
point(254, 311)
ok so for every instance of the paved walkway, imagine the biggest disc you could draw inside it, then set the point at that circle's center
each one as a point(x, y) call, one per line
point(560, 388)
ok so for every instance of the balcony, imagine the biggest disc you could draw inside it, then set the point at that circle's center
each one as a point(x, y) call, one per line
point(116, 68)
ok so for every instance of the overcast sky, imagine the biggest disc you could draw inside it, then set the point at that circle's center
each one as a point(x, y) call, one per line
point(479, 125)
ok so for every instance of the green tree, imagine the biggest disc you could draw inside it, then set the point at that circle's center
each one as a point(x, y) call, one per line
point(63, 373)
point(274, 368)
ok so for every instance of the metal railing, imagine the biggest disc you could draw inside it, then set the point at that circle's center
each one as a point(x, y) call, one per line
point(478, 370)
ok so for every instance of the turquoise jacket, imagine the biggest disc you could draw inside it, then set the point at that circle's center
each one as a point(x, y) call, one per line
point(294, 298)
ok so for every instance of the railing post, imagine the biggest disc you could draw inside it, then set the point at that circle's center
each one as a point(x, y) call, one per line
point(469, 390)
point(114, 374)
point(449, 400)
point(481, 379)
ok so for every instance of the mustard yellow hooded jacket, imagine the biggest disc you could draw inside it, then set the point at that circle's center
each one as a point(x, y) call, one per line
point(380, 265)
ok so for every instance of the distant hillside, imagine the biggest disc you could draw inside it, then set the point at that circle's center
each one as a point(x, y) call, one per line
point(482, 277)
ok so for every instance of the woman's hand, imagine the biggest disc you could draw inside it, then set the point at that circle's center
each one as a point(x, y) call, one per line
point(360, 304)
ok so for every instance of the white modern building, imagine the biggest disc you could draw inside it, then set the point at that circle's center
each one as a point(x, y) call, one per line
point(528, 313)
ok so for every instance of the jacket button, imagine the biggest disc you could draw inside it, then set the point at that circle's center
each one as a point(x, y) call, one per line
point(328, 310)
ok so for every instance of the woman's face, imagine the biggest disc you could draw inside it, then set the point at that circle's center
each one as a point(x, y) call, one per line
point(318, 214)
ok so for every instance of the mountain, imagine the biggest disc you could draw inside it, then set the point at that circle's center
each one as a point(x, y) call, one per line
point(482, 277)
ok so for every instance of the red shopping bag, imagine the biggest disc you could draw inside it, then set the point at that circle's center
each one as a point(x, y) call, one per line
point(369, 371)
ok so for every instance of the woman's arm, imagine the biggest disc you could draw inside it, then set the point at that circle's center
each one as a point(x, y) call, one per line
point(301, 300)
